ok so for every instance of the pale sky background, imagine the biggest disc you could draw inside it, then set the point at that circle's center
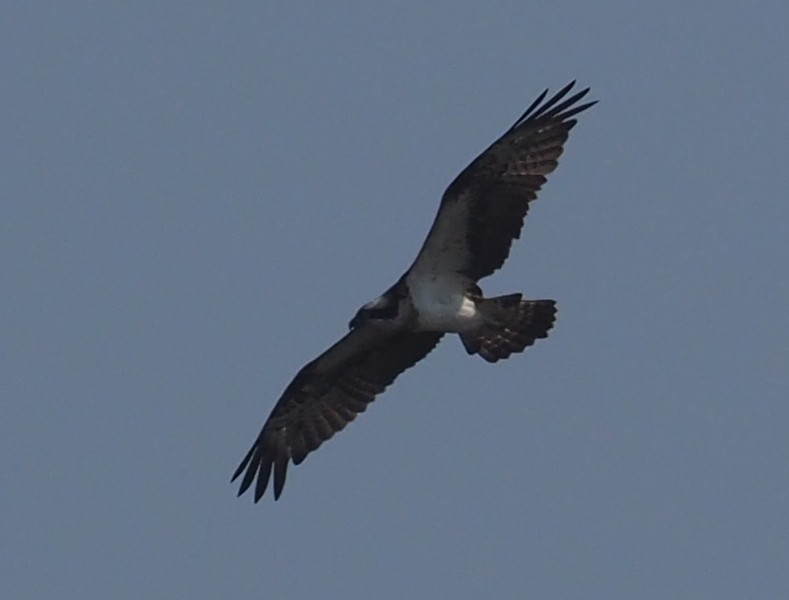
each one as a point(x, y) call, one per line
point(196, 200)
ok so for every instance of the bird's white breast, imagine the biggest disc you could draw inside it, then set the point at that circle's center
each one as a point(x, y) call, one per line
point(441, 302)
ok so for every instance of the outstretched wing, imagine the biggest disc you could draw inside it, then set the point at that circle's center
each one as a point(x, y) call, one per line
point(325, 396)
point(483, 209)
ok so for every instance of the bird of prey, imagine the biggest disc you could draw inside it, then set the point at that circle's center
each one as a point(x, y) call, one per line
point(480, 215)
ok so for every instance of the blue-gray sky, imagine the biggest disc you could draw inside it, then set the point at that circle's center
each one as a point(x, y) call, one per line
point(196, 200)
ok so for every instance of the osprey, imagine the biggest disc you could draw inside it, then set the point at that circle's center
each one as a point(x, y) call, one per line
point(481, 213)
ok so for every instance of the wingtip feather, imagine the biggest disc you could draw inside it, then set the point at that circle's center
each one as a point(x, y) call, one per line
point(529, 110)
point(280, 474)
point(555, 105)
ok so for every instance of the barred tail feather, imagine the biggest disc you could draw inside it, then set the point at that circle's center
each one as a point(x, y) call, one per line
point(515, 325)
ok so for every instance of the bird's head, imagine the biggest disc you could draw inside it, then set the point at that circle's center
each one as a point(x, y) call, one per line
point(383, 308)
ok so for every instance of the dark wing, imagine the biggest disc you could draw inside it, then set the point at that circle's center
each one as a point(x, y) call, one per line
point(325, 396)
point(483, 209)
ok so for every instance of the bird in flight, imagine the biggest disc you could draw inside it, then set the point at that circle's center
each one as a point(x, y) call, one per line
point(480, 215)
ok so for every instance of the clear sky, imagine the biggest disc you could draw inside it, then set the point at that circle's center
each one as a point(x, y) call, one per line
point(194, 202)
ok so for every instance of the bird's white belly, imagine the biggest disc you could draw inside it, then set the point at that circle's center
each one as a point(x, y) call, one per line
point(442, 305)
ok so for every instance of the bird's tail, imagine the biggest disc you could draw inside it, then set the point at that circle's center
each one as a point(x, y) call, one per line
point(512, 325)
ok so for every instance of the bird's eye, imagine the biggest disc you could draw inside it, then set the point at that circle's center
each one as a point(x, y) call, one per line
point(356, 321)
